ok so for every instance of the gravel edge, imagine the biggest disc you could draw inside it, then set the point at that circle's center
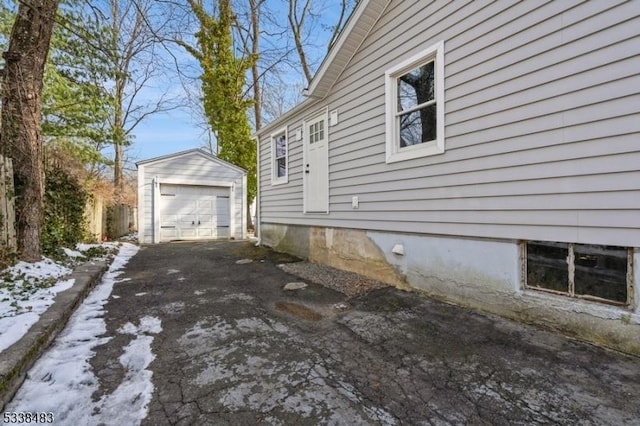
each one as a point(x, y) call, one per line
point(348, 283)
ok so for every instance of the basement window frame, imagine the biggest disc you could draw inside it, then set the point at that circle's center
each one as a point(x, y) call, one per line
point(571, 284)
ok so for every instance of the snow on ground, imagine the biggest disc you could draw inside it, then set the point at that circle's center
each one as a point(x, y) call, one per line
point(62, 382)
point(26, 291)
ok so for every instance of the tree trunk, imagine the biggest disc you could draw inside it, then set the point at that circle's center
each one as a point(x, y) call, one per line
point(20, 132)
point(297, 24)
point(255, 72)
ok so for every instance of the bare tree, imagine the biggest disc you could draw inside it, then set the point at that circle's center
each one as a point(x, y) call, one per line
point(20, 131)
point(279, 96)
point(255, 8)
point(135, 58)
point(298, 14)
point(304, 17)
point(343, 15)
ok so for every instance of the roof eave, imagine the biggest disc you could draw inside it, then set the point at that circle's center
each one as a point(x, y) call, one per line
point(330, 70)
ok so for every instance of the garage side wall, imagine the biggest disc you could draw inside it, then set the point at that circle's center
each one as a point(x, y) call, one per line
point(192, 169)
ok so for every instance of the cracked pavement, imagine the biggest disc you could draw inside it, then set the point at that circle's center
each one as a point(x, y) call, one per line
point(229, 354)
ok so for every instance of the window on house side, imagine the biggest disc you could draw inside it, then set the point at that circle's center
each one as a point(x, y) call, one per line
point(415, 106)
point(279, 164)
point(579, 270)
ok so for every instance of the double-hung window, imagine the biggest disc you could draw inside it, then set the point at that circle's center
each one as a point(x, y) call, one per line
point(279, 157)
point(415, 106)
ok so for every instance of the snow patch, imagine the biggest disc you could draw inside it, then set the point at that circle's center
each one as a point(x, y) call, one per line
point(74, 254)
point(62, 382)
point(17, 316)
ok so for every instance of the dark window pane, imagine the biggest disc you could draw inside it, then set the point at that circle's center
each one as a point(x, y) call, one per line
point(418, 126)
point(601, 271)
point(416, 87)
point(282, 167)
point(547, 265)
point(281, 146)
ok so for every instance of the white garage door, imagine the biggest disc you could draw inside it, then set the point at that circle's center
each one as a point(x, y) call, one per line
point(189, 212)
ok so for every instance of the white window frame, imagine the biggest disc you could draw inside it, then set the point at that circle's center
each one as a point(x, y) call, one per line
point(395, 153)
point(275, 179)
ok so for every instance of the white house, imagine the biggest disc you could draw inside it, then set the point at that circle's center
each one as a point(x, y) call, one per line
point(190, 195)
point(487, 153)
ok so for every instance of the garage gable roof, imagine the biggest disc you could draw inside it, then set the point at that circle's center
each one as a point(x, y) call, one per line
point(196, 151)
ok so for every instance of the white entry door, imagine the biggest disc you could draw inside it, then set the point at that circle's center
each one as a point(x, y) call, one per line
point(189, 212)
point(316, 167)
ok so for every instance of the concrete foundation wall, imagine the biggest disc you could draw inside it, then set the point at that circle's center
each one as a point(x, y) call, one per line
point(482, 274)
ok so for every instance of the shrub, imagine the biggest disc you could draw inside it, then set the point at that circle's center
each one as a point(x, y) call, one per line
point(64, 219)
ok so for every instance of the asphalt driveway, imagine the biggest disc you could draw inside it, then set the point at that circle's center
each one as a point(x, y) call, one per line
point(235, 348)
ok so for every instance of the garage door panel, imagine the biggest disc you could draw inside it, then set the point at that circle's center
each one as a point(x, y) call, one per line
point(194, 212)
point(188, 233)
point(205, 233)
point(222, 231)
point(188, 219)
point(169, 219)
point(168, 232)
point(205, 207)
point(205, 220)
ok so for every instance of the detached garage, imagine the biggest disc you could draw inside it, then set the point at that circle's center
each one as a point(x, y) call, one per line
point(190, 195)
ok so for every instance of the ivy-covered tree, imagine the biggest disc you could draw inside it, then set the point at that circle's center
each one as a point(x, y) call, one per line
point(223, 88)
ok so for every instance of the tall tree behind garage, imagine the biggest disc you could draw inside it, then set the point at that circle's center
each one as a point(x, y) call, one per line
point(223, 89)
point(20, 133)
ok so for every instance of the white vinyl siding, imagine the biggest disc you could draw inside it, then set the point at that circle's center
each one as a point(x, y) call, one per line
point(541, 127)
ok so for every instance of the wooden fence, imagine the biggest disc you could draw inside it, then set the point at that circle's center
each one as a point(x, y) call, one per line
point(8, 242)
point(122, 220)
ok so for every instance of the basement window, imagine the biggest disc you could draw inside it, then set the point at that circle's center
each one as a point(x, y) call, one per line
point(587, 271)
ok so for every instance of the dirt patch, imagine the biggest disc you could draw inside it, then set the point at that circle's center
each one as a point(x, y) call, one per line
point(298, 310)
point(249, 250)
